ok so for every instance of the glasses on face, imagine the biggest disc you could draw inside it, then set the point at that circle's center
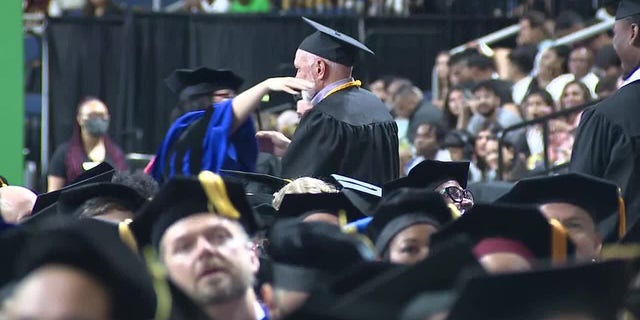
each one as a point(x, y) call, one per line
point(457, 194)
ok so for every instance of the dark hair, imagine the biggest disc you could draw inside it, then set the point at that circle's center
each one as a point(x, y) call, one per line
point(141, 182)
point(461, 57)
point(481, 62)
point(449, 119)
point(437, 128)
point(536, 20)
point(608, 83)
point(563, 52)
point(76, 154)
point(459, 139)
point(99, 206)
point(586, 93)
point(544, 94)
point(488, 85)
point(193, 103)
point(568, 19)
point(523, 57)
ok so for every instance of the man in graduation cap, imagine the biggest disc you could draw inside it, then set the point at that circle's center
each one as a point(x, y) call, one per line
point(200, 228)
point(201, 87)
point(606, 144)
point(580, 202)
point(344, 129)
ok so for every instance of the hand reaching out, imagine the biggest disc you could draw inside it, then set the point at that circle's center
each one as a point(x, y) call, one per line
point(273, 142)
point(288, 84)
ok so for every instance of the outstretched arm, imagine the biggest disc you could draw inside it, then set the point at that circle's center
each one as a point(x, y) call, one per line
point(246, 102)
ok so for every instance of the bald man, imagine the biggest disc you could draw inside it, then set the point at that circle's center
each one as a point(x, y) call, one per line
point(16, 203)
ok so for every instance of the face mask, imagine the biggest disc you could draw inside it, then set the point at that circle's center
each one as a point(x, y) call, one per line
point(96, 126)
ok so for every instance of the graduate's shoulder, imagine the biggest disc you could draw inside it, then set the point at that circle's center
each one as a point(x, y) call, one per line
point(621, 109)
point(355, 106)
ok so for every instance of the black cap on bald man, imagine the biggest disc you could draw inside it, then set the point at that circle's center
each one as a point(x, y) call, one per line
point(627, 8)
point(332, 45)
point(185, 196)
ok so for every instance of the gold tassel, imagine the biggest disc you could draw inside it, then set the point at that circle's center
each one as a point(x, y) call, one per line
point(558, 242)
point(127, 236)
point(342, 218)
point(455, 213)
point(216, 192)
point(622, 216)
point(160, 285)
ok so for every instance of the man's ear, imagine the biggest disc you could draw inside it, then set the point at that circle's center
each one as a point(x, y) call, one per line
point(634, 36)
point(321, 69)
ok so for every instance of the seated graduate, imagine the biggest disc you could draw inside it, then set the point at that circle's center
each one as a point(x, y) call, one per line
point(509, 238)
point(580, 202)
point(221, 136)
point(404, 221)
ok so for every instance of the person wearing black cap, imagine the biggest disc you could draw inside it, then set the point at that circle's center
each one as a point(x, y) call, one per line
point(509, 238)
point(220, 136)
point(606, 140)
point(201, 87)
point(80, 271)
point(319, 207)
point(449, 178)
point(306, 256)
point(345, 129)
point(403, 223)
point(580, 202)
point(200, 229)
point(105, 201)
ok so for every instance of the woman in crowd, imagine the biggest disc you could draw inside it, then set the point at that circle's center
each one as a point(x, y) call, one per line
point(89, 145)
point(457, 111)
point(537, 104)
point(574, 94)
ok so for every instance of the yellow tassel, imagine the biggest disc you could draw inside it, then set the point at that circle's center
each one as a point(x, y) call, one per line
point(216, 192)
point(126, 235)
point(160, 285)
point(455, 213)
point(622, 216)
point(342, 218)
point(558, 242)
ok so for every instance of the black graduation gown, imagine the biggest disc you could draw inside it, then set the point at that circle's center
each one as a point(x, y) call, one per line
point(607, 145)
point(351, 133)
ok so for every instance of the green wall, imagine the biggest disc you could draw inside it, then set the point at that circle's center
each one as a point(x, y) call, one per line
point(11, 91)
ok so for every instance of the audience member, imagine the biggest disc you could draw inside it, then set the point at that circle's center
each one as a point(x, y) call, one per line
point(457, 110)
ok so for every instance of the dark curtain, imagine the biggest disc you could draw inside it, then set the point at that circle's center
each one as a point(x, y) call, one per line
point(124, 60)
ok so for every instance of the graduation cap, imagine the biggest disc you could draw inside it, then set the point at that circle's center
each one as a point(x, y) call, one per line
point(403, 208)
point(449, 264)
point(431, 173)
point(573, 188)
point(307, 254)
point(46, 204)
point(190, 82)
point(185, 196)
point(594, 290)
point(94, 247)
point(358, 274)
point(332, 45)
point(71, 200)
point(627, 8)
point(362, 195)
point(519, 229)
point(304, 204)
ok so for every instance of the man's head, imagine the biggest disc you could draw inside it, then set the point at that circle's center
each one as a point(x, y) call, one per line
point(16, 203)
point(318, 70)
point(70, 293)
point(487, 99)
point(580, 227)
point(427, 140)
point(521, 61)
point(209, 257)
point(626, 40)
point(482, 67)
point(406, 100)
point(532, 29)
point(460, 72)
point(580, 62)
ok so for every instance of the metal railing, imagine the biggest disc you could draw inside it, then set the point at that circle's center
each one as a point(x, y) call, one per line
point(502, 135)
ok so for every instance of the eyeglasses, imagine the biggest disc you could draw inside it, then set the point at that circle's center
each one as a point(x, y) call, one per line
point(457, 194)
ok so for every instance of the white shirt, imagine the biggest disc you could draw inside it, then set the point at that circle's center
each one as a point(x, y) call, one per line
point(634, 77)
point(218, 6)
point(519, 89)
point(257, 308)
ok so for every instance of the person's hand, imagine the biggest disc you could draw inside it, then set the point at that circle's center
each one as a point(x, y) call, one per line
point(288, 84)
point(273, 142)
point(303, 106)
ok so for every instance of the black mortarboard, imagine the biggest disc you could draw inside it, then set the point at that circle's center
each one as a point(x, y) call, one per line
point(332, 45)
point(600, 198)
point(362, 195)
point(303, 204)
point(403, 208)
point(431, 173)
point(358, 274)
point(46, 203)
point(72, 199)
point(307, 254)
point(95, 247)
point(190, 82)
point(627, 8)
point(546, 240)
point(594, 290)
point(447, 266)
point(184, 196)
